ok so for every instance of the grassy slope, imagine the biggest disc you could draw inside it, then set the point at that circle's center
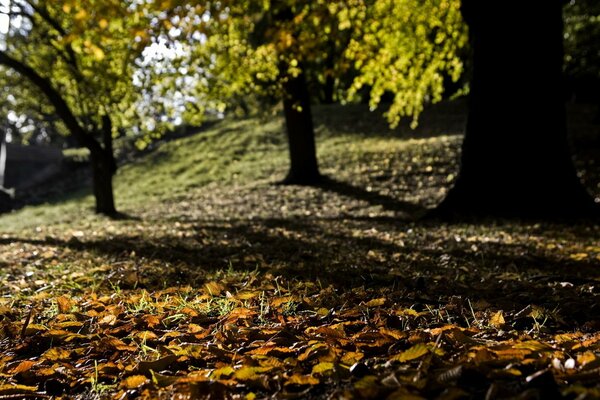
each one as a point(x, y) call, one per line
point(244, 152)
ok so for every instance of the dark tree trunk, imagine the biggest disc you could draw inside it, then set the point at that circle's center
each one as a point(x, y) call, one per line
point(328, 90)
point(515, 160)
point(304, 169)
point(102, 172)
point(104, 167)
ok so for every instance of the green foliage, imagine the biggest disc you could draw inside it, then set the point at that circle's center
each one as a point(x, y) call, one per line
point(406, 48)
point(243, 48)
point(91, 52)
point(582, 38)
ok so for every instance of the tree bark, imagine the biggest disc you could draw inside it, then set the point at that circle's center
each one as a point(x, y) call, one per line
point(103, 168)
point(515, 158)
point(304, 168)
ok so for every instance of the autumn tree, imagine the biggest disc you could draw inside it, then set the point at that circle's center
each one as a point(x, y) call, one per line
point(274, 47)
point(80, 56)
point(515, 159)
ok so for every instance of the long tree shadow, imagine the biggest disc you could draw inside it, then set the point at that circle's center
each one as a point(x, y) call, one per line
point(406, 210)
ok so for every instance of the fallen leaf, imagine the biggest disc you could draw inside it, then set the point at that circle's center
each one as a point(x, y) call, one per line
point(413, 353)
point(134, 381)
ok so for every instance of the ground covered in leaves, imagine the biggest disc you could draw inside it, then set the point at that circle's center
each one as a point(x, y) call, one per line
point(239, 288)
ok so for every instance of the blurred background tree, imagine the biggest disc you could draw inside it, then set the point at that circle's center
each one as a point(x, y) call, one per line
point(83, 61)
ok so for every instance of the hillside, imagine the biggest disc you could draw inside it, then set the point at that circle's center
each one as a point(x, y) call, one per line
point(220, 282)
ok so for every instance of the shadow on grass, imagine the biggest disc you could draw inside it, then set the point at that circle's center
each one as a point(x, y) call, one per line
point(341, 252)
point(407, 210)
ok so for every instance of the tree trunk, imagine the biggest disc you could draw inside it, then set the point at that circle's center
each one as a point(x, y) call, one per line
point(515, 159)
point(102, 173)
point(304, 169)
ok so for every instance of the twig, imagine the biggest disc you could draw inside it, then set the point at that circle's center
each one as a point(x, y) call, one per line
point(26, 323)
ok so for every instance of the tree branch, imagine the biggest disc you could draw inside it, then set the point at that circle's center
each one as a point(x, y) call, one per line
point(61, 107)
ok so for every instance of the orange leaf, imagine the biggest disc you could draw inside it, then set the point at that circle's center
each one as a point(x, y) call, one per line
point(23, 366)
point(64, 304)
point(134, 382)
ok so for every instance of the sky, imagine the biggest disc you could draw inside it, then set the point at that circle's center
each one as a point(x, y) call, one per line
point(3, 17)
point(3, 23)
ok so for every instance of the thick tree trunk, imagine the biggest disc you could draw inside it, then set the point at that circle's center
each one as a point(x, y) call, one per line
point(515, 160)
point(304, 169)
point(102, 173)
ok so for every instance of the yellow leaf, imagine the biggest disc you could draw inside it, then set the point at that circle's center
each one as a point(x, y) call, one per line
point(579, 256)
point(413, 353)
point(103, 23)
point(56, 354)
point(213, 288)
point(246, 295)
point(586, 358)
point(248, 373)
point(497, 320)
point(219, 373)
point(532, 345)
point(368, 386)
point(376, 302)
point(277, 301)
point(134, 382)
point(323, 367)
point(301, 380)
point(8, 389)
point(34, 328)
point(351, 358)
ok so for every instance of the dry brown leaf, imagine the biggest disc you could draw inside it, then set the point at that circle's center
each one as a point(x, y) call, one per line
point(157, 365)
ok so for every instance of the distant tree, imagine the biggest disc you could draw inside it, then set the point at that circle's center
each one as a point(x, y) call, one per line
point(515, 159)
point(282, 49)
point(81, 57)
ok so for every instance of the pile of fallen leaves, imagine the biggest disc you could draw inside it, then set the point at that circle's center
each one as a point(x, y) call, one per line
point(255, 335)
